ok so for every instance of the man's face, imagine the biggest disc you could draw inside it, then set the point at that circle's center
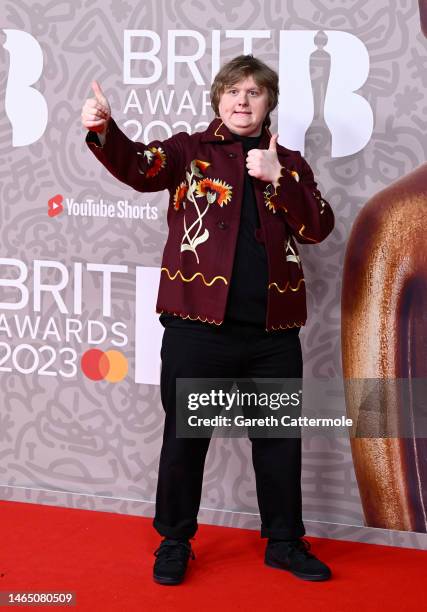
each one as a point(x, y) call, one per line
point(243, 107)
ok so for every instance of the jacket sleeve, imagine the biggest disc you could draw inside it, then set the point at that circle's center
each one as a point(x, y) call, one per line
point(150, 167)
point(308, 216)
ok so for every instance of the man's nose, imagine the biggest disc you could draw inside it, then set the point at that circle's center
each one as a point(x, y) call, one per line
point(243, 99)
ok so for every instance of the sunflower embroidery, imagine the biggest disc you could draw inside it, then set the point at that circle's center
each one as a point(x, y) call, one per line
point(214, 190)
point(271, 191)
point(156, 157)
point(201, 165)
point(268, 195)
point(180, 193)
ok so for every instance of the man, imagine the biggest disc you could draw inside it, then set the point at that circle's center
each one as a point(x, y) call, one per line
point(231, 295)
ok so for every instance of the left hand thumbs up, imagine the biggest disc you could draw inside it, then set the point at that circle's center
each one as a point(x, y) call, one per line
point(264, 164)
point(273, 143)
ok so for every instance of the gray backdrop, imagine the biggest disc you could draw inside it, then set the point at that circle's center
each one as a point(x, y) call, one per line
point(86, 444)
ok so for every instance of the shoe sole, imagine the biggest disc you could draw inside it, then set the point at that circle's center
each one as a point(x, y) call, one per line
point(167, 581)
point(297, 574)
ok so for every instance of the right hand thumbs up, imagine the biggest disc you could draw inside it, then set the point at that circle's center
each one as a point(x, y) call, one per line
point(96, 112)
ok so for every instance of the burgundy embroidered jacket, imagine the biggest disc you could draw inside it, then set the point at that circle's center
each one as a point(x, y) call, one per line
point(204, 174)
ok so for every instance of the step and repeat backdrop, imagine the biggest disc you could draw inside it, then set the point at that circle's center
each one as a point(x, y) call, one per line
point(81, 418)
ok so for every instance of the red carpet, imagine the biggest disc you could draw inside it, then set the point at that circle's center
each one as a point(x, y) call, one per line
point(107, 560)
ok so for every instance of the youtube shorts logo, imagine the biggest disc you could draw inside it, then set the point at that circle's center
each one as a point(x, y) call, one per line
point(54, 205)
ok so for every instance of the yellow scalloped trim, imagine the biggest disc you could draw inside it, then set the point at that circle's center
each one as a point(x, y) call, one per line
point(187, 316)
point(188, 280)
point(287, 286)
point(287, 326)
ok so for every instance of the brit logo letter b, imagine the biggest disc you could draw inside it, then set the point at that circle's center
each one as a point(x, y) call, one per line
point(25, 107)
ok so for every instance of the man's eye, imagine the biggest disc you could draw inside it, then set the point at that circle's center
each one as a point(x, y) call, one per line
point(253, 93)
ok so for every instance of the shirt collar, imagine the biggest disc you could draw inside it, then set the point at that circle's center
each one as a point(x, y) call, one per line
point(217, 131)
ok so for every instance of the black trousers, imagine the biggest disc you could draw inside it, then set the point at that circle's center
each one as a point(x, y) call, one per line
point(215, 352)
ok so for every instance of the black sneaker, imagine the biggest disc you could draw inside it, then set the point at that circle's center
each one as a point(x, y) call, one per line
point(172, 559)
point(295, 557)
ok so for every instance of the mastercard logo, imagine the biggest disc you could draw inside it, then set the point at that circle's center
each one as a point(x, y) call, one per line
point(109, 365)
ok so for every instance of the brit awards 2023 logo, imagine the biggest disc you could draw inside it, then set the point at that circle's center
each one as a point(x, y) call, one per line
point(42, 311)
point(345, 61)
point(343, 107)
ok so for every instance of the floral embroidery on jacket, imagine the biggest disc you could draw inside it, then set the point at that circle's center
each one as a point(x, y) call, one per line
point(291, 253)
point(201, 165)
point(212, 188)
point(156, 159)
point(179, 197)
point(215, 190)
point(321, 201)
point(268, 194)
point(271, 191)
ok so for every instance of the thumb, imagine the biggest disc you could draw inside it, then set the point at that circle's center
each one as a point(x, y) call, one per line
point(273, 142)
point(99, 94)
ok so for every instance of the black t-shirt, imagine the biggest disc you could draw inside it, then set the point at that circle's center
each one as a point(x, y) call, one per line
point(247, 295)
